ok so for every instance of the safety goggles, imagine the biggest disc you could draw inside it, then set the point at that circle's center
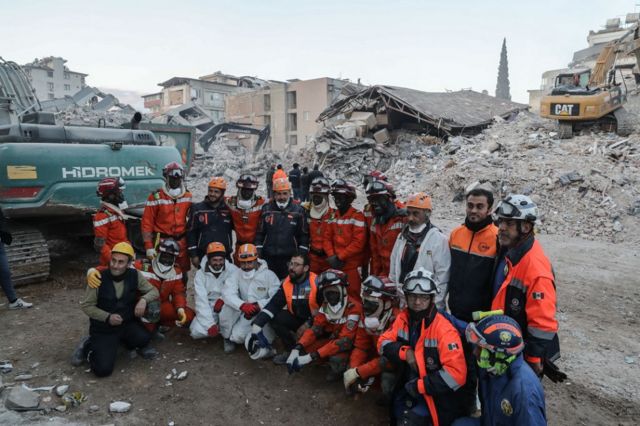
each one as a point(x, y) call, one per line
point(376, 186)
point(330, 278)
point(374, 287)
point(475, 338)
point(420, 285)
point(174, 173)
point(507, 210)
point(247, 257)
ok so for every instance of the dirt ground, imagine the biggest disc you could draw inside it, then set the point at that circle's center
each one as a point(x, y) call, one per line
point(598, 289)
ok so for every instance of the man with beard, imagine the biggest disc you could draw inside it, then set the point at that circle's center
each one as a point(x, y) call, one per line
point(320, 214)
point(109, 226)
point(244, 295)
point(165, 215)
point(115, 309)
point(421, 245)
point(388, 221)
point(283, 229)
point(346, 235)
point(473, 248)
point(290, 309)
point(210, 279)
point(426, 349)
point(246, 209)
point(333, 329)
point(524, 284)
point(209, 221)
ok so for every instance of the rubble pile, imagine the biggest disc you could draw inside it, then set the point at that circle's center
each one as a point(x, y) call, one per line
point(587, 186)
point(86, 116)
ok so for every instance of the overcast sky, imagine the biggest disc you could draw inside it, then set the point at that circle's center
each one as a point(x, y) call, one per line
point(426, 45)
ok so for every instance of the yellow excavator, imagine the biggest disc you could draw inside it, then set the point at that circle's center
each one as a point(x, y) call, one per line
point(586, 97)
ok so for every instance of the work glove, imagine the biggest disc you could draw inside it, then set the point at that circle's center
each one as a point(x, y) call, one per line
point(217, 307)
point(412, 389)
point(6, 237)
point(334, 262)
point(256, 331)
point(293, 356)
point(249, 309)
point(182, 317)
point(94, 278)
point(214, 330)
point(151, 253)
point(349, 377)
point(303, 360)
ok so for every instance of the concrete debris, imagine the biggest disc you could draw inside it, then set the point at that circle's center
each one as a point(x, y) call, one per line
point(61, 408)
point(119, 407)
point(6, 367)
point(62, 389)
point(629, 360)
point(182, 375)
point(40, 388)
point(93, 408)
point(570, 178)
point(23, 377)
point(1, 385)
point(21, 399)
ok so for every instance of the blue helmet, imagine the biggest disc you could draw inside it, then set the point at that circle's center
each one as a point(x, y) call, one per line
point(497, 334)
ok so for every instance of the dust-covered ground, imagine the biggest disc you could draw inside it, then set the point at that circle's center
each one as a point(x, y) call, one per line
point(598, 306)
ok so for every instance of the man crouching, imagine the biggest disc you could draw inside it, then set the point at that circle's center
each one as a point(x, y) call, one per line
point(114, 310)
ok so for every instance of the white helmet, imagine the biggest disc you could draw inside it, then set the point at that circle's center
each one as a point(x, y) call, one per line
point(255, 349)
point(517, 206)
point(420, 281)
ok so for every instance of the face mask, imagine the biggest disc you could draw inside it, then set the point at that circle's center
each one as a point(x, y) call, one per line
point(282, 206)
point(417, 229)
point(372, 323)
point(500, 363)
point(248, 275)
point(245, 204)
point(335, 308)
point(161, 267)
point(174, 192)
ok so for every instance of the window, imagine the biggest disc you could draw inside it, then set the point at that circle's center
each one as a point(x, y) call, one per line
point(67, 87)
point(50, 86)
point(51, 96)
point(175, 97)
point(306, 115)
point(292, 120)
point(50, 74)
point(267, 103)
point(293, 139)
point(291, 100)
point(217, 99)
point(67, 76)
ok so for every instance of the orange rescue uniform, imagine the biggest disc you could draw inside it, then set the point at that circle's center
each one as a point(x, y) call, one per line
point(109, 225)
point(245, 221)
point(382, 237)
point(318, 229)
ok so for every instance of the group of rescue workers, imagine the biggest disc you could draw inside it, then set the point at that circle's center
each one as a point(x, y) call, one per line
point(380, 296)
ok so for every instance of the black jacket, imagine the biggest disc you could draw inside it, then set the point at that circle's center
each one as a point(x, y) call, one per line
point(294, 178)
point(208, 224)
point(282, 232)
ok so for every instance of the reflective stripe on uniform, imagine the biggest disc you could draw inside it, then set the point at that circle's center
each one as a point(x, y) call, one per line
point(167, 202)
point(351, 221)
point(540, 334)
point(430, 343)
point(105, 221)
point(448, 379)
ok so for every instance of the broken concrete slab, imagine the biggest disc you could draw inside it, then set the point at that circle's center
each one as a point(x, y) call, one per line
point(569, 178)
point(62, 389)
point(368, 118)
point(382, 136)
point(21, 399)
point(119, 407)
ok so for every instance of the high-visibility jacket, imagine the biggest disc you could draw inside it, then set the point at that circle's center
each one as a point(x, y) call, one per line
point(441, 366)
point(339, 333)
point(171, 287)
point(318, 229)
point(364, 355)
point(208, 223)
point(300, 299)
point(433, 255)
point(245, 221)
point(346, 237)
point(109, 225)
point(165, 215)
point(382, 237)
point(528, 295)
point(279, 174)
point(473, 255)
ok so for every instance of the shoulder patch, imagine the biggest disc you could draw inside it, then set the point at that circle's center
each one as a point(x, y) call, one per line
point(351, 325)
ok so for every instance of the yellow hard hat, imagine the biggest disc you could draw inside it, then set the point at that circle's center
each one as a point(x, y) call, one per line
point(124, 248)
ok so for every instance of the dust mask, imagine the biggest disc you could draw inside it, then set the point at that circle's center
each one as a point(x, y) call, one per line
point(245, 204)
point(175, 192)
point(248, 275)
point(417, 229)
point(282, 206)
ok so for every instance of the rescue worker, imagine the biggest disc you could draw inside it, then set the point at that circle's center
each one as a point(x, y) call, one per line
point(388, 221)
point(320, 214)
point(295, 177)
point(209, 221)
point(315, 173)
point(524, 284)
point(298, 294)
point(283, 229)
point(165, 215)
point(421, 245)
point(510, 392)
point(115, 309)
point(473, 247)
point(210, 279)
point(6, 238)
point(379, 303)
point(246, 209)
point(305, 183)
point(346, 235)
point(244, 295)
point(427, 351)
point(279, 173)
point(333, 329)
point(269, 181)
point(109, 226)
point(167, 279)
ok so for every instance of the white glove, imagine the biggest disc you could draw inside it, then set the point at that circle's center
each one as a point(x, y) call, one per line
point(151, 253)
point(292, 356)
point(304, 360)
point(349, 377)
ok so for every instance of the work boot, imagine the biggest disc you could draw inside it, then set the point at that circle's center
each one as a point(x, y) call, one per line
point(147, 352)
point(19, 304)
point(229, 346)
point(281, 359)
point(80, 353)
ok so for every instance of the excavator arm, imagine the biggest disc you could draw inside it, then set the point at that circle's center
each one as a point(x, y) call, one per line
point(208, 137)
point(606, 61)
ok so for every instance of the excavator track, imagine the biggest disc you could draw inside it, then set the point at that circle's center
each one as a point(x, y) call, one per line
point(565, 129)
point(624, 122)
point(28, 255)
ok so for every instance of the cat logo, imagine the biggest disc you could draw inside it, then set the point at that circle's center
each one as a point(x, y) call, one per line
point(565, 109)
point(506, 407)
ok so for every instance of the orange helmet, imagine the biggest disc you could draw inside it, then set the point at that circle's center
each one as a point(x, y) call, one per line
point(218, 182)
point(216, 249)
point(247, 253)
point(281, 184)
point(419, 200)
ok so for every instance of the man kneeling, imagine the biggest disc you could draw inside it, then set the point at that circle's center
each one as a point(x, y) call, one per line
point(114, 312)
